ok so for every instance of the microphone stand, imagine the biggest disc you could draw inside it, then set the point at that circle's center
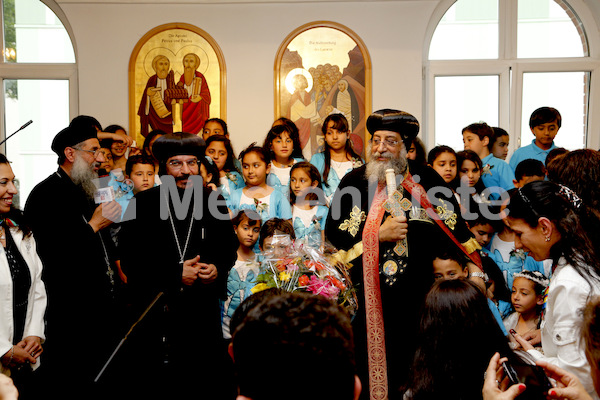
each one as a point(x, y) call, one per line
point(25, 125)
point(114, 353)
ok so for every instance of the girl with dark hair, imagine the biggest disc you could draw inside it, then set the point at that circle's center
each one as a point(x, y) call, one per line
point(214, 126)
point(147, 149)
point(218, 147)
point(417, 152)
point(242, 276)
point(338, 156)
point(306, 197)
point(455, 311)
point(469, 174)
point(546, 219)
point(23, 302)
point(283, 145)
point(499, 143)
point(443, 160)
point(209, 172)
point(527, 298)
point(149, 142)
point(258, 195)
point(119, 149)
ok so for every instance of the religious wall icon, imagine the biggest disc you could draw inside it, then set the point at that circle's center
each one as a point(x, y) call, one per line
point(176, 81)
point(323, 68)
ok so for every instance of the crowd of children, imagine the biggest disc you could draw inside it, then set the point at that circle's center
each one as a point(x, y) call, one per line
point(515, 281)
point(272, 189)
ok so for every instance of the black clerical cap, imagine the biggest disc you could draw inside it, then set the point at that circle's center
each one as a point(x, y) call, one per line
point(178, 144)
point(79, 130)
point(396, 121)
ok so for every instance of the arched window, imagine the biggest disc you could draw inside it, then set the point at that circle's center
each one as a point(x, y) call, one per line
point(499, 60)
point(38, 76)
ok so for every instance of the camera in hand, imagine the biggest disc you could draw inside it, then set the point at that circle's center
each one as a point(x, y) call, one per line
point(533, 376)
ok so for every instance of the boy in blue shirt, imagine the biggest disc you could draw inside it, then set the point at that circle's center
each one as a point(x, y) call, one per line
point(496, 173)
point(544, 124)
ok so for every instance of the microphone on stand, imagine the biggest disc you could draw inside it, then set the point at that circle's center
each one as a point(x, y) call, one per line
point(25, 125)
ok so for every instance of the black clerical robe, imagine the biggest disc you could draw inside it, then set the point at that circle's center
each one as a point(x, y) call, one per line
point(401, 300)
point(82, 323)
point(179, 343)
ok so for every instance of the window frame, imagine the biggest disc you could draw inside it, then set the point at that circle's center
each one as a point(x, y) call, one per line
point(511, 70)
point(40, 71)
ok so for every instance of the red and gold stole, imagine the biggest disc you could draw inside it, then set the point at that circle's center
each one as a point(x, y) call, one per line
point(378, 382)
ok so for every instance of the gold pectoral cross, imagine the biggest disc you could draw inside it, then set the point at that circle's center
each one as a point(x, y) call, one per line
point(397, 205)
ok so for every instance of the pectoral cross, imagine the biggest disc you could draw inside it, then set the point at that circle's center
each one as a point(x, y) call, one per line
point(397, 205)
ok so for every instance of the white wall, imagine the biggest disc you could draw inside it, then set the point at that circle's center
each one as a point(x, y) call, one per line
point(249, 33)
point(249, 36)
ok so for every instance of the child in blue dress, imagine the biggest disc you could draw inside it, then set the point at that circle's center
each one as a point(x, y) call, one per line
point(218, 147)
point(338, 156)
point(242, 276)
point(306, 197)
point(257, 195)
point(284, 149)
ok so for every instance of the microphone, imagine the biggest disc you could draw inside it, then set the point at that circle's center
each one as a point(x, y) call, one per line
point(25, 125)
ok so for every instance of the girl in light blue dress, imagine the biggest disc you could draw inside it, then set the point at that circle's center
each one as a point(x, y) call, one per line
point(283, 145)
point(308, 210)
point(218, 147)
point(257, 195)
point(338, 156)
point(242, 276)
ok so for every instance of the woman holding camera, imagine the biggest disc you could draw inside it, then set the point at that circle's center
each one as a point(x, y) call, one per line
point(567, 385)
point(546, 220)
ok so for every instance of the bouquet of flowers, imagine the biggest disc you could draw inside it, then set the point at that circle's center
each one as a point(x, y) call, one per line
point(307, 269)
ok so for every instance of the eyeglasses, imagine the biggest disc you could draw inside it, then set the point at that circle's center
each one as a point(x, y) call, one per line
point(177, 164)
point(391, 143)
point(95, 153)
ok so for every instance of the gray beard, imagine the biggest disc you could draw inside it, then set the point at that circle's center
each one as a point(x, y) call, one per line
point(376, 169)
point(84, 176)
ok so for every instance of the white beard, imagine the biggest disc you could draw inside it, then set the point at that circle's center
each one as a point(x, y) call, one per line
point(376, 168)
point(83, 175)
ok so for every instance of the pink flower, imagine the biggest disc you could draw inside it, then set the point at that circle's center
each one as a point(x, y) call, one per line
point(323, 287)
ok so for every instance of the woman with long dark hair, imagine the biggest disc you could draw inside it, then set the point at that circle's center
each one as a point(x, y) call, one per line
point(23, 300)
point(458, 336)
point(546, 219)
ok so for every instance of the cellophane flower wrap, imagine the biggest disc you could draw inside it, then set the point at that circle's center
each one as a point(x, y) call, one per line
point(306, 268)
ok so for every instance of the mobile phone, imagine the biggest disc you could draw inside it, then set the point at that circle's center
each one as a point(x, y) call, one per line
point(533, 376)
